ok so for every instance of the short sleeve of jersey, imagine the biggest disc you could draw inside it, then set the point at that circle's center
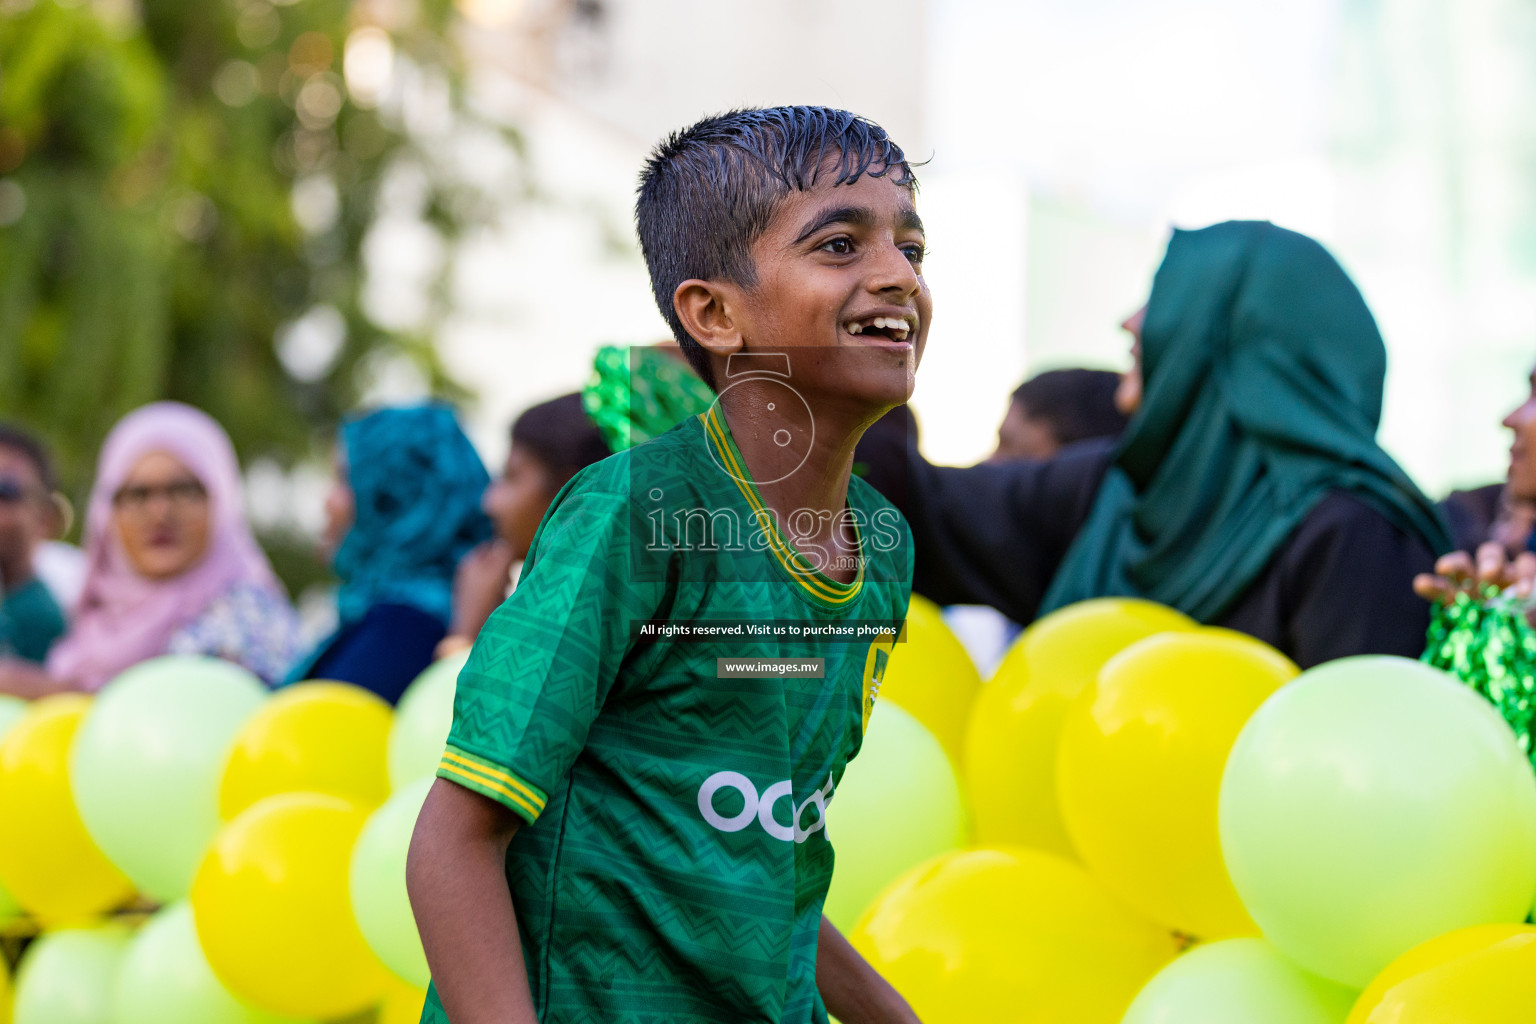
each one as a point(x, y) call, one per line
point(547, 658)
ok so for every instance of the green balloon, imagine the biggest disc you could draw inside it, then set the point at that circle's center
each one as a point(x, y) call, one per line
point(146, 763)
point(422, 719)
point(1239, 981)
point(1373, 804)
point(67, 976)
point(897, 805)
point(379, 900)
point(165, 979)
point(11, 710)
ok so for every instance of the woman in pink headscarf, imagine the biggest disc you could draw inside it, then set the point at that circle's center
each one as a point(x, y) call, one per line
point(172, 567)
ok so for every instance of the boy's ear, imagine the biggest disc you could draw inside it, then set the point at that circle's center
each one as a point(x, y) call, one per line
point(706, 309)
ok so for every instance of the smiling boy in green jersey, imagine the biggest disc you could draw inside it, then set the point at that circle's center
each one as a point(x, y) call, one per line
point(626, 827)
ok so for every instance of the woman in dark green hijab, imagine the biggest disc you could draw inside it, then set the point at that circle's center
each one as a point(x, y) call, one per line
point(1247, 491)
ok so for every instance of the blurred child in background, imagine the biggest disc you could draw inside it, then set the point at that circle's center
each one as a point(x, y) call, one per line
point(404, 511)
point(634, 394)
point(1057, 408)
point(30, 618)
point(551, 442)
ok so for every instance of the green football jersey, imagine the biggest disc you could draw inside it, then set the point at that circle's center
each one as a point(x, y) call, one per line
point(675, 857)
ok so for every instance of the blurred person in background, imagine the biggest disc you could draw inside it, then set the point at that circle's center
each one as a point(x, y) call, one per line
point(1493, 525)
point(551, 442)
point(1504, 513)
point(1057, 408)
point(30, 616)
point(1248, 490)
point(635, 393)
point(172, 567)
point(404, 511)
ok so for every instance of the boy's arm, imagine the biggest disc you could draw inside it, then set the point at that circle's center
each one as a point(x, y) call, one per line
point(456, 876)
point(853, 991)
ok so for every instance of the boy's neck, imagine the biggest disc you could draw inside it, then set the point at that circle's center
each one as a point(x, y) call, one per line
point(819, 485)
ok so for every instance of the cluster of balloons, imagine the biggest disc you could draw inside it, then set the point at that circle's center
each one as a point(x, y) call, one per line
point(196, 850)
point(1139, 819)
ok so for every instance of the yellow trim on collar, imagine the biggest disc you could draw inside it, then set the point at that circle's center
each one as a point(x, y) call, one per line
point(793, 561)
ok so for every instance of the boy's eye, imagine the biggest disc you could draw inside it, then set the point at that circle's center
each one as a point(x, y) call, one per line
point(842, 245)
point(915, 253)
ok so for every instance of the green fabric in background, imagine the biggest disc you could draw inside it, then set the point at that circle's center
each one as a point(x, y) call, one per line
point(1263, 372)
point(637, 393)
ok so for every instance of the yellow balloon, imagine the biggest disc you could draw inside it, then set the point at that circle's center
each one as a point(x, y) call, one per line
point(47, 859)
point(1139, 768)
point(1480, 975)
point(931, 676)
point(402, 1004)
point(273, 912)
point(1009, 937)
point(1010, 742)
point(313, 737)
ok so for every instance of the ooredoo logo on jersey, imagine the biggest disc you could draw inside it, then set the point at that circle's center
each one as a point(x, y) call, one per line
point(762, 808)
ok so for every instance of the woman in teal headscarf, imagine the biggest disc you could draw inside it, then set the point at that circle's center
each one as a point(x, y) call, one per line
point(404, 511)
point(1248, 490)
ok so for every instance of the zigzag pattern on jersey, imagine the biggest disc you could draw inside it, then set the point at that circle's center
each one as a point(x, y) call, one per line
point(621, 977)
point(640, 1004)
point(654, 837)
point(661, 1005)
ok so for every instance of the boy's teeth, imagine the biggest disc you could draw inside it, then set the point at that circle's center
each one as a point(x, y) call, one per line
point(899, 328)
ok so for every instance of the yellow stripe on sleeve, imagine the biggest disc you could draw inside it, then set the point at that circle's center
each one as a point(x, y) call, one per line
point(490, 788)
point(497, 775)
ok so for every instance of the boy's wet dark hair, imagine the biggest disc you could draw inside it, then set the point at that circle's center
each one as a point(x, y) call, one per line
point(560, 434)
point(708, 192)
point(1078, 404)
point(19, 440)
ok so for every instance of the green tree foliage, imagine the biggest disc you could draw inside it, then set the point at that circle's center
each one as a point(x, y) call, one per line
point(149, 245)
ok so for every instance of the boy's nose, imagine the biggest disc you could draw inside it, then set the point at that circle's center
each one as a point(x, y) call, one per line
point(894, 272)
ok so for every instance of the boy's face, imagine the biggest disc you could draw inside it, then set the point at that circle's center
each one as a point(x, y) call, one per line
point(840, 287)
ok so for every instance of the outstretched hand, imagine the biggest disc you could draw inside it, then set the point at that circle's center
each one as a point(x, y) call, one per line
point(1459, 572)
